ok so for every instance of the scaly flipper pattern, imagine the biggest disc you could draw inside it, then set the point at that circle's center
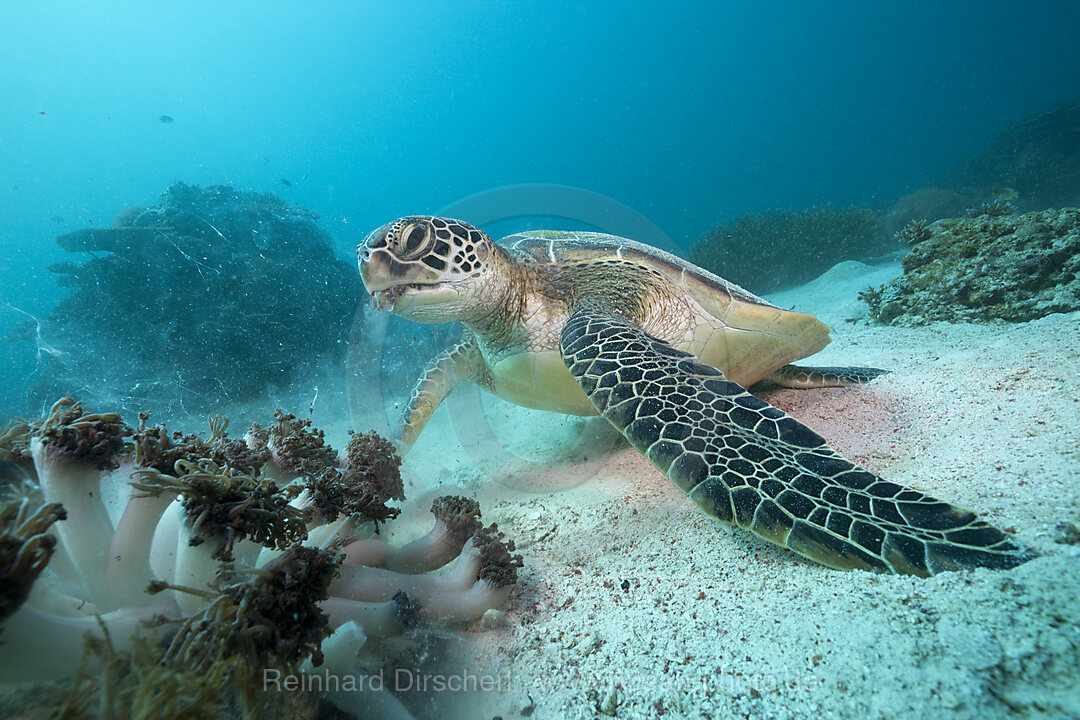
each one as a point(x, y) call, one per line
point(460, 362)
point(746, 462)
point(798, 376)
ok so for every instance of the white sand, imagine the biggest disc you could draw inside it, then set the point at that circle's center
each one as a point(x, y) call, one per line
point(715, 623)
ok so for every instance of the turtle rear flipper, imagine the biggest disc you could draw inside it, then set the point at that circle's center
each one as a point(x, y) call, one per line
point(798, 376)
point(746, 462)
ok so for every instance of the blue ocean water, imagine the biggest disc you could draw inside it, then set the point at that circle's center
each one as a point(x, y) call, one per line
point(689, 113)
point(686, 114)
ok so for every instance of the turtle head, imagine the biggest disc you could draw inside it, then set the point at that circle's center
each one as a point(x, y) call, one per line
point(429, 269)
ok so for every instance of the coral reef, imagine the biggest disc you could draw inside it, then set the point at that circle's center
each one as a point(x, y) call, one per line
point(780, 248)
point(180, 571)
point(990, 266)
point(211, 295)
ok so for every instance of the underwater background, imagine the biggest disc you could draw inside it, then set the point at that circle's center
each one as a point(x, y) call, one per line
point(183, 186)
point(690, 113)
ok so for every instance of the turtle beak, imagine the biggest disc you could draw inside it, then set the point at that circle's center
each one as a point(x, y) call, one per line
point(387, 279)
point(378, 278)
point(375, 261)
point(380, 270)
point(370, 274)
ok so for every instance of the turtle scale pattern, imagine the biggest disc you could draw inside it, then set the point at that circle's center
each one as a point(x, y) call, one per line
point(746, 462)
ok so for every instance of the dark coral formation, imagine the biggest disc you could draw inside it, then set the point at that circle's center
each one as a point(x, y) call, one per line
point(156, 449)
point(271, 620)
point(500, 564)
point(914, 232)
point(295, 446)
point(212, 294)
point(15, 460)
point(334, 493)
point(226, 507)
point(25, 549)
point(781, 248)
point(73, 432)
point(460, 515)
point(373, 460)
point(368, 477)
point(1014, 268)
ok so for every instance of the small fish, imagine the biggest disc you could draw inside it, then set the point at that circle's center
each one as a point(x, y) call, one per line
point(40, 112)
point(166, 119)
point(286, 182)
point(56, 219)
point(1005, 194)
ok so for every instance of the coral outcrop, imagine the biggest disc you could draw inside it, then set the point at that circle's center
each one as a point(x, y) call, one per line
point(991, 266)
point(212, 295)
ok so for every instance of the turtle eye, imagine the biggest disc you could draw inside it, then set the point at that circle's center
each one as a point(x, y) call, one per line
point(414, 240)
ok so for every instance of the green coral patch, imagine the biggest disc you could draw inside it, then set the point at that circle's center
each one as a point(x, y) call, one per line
point(1014, 268)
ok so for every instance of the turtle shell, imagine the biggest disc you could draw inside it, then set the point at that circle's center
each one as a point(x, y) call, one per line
point(757, 339)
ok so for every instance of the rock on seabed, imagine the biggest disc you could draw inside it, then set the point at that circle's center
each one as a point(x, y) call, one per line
point(1014, 268)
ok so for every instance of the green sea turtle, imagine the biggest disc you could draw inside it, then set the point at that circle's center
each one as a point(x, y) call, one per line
point(588, 323)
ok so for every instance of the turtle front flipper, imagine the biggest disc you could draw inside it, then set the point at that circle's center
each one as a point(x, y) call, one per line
point(746, 462)
point(798, 376)
point(463, 361)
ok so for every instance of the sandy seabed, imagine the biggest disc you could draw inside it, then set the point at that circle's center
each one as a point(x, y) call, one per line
point(634, 604)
